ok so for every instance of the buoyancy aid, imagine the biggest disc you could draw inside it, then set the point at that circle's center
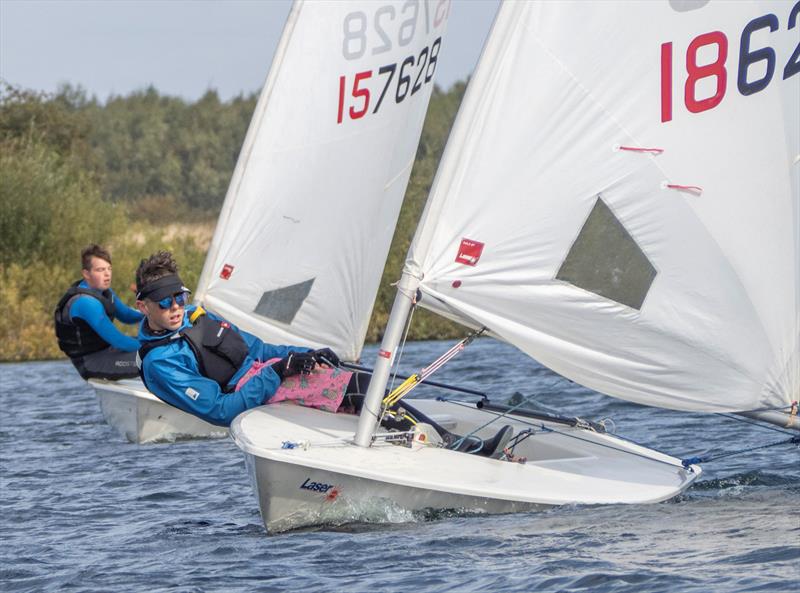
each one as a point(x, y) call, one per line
point(219, 349)
point(75, 336)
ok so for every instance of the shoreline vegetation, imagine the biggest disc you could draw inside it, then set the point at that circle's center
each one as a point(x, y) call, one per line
point(136, 174)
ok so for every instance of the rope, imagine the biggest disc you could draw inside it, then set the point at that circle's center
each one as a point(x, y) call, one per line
point(508, 450)
point(754, 423)
point(693, 460)
point(573, 436)
point(414, 380)
point(790, 409)
point(482, 426)
point(305, 445)
point(403, 343)
point(356, 367)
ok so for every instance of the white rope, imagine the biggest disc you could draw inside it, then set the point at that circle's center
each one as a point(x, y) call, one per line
point(397, 360)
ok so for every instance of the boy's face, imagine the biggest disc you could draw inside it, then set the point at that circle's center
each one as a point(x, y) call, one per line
point(98, 276)
point(159, 319)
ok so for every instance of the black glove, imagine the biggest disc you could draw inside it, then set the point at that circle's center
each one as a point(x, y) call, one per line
point(295, 362)
point(326, 356)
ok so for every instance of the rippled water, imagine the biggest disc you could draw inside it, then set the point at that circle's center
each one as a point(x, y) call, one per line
point(84, 510)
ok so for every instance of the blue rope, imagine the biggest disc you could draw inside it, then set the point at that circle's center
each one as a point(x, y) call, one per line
point(482, 426)
point(695, 460)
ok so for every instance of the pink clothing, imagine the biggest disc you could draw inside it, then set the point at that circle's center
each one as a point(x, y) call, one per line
point(323, 388)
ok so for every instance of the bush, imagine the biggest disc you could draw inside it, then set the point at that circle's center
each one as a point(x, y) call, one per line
point(51, 207)
point(28, 295)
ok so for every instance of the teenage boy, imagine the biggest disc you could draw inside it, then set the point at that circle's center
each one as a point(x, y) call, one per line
point(84, 322)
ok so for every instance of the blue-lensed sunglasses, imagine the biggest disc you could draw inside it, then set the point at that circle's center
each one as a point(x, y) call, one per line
point(181, 299)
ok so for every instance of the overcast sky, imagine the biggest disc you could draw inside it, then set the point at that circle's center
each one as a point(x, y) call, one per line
point(182, 47)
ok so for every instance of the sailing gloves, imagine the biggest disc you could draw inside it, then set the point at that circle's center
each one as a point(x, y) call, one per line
point(303, 362)
point(295, 362)
point(326, 356)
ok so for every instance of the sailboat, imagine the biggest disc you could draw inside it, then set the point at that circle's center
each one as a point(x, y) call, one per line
point(619, 199)
point(302, 238)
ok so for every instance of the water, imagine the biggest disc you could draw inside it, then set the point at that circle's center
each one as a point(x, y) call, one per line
point(84, 510)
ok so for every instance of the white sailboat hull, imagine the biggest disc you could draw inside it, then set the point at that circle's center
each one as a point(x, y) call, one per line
point(276, 485)
point(141, 417)
point(324, 479)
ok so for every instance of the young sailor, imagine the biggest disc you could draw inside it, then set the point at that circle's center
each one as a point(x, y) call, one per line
point(84, 322)
point(203, 365)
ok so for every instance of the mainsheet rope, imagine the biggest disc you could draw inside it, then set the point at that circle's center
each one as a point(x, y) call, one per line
point(755, 423)
point(482, 426)
point(579, 438)
point(693, 460)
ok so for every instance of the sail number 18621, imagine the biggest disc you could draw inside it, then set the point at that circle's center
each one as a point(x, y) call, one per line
point(756, 65)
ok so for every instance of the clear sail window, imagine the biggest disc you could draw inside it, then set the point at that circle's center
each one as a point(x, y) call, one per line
point(606, 260)
point(282, 304)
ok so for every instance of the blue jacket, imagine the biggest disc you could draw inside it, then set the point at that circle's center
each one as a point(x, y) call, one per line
point(171, 372)
point(92, 312)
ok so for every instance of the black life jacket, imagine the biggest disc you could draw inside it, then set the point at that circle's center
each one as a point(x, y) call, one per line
point(75, 336)
point(219, 349)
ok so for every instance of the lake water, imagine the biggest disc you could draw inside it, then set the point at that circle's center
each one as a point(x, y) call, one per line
point(83, 510)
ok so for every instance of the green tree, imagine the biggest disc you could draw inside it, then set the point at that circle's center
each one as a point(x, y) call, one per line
point(51, 207)
point(438, 121)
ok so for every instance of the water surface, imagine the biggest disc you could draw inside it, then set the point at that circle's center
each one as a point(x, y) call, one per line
point(84, 510)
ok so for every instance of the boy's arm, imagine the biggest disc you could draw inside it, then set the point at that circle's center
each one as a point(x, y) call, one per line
point(175, 379)
point(91, 311)
point(125, 313)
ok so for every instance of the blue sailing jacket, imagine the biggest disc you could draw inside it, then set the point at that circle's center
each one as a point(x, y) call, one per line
point(171, 372)
point(92, 312)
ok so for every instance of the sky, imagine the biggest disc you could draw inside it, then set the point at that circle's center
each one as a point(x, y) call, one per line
point(181, 47)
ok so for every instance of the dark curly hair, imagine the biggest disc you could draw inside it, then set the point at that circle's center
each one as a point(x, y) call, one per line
point(90, 251)
point(156, 266)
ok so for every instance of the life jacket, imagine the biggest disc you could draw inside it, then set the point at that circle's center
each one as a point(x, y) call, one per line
point(76, 337)
point(219, 349)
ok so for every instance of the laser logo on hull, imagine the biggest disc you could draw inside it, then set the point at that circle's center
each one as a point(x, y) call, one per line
point(315, 486)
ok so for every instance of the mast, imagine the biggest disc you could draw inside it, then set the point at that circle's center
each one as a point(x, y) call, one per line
point(403, 300)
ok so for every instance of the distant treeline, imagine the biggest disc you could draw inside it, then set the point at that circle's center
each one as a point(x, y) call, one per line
point(122, 173)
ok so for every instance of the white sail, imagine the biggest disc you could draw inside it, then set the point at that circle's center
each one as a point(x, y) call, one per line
point(308, 219)
point(666, 278)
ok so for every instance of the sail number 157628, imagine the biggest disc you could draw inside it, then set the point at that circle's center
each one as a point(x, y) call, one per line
point(385, 29)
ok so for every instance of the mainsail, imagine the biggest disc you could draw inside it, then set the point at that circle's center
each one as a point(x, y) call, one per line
point(308, 219)
point(620, 199)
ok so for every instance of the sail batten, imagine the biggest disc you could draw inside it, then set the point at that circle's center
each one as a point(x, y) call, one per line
point(667, 277)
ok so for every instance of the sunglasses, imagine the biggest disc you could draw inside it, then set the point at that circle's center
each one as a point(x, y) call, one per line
point(181, 299)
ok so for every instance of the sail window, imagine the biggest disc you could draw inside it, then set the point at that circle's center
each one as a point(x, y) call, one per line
point(606, 260)
point(282, 304)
